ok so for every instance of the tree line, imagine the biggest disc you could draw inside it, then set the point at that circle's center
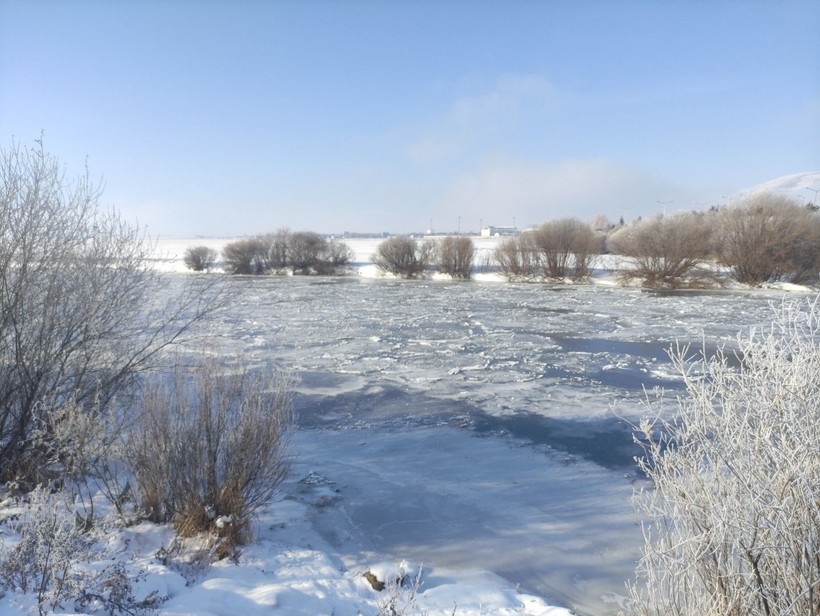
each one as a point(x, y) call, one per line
point(763, 238)
point(306, 252)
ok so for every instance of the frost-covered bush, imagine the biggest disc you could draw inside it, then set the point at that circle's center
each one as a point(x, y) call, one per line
point(199, 258)
point(209, 446)
point(56, 560)
point(733, 514)
point(45, 561)
point(398, 587)
point(74, 445)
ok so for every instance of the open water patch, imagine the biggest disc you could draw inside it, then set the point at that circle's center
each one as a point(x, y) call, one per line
point(609, 443)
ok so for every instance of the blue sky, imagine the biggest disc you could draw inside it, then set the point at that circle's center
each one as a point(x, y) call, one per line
point(229, 118)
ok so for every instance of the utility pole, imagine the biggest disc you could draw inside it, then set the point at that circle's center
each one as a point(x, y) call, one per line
point(664, 204)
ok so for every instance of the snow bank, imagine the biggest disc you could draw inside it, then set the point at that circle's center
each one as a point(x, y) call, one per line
point(287, 570)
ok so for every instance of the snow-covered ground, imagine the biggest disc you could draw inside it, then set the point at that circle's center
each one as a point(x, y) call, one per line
point(467, 428)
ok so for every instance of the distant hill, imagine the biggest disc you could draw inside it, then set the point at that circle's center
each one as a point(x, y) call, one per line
point(794, 185)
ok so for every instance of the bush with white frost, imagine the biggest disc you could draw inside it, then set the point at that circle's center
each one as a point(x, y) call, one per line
point(45, 561)
point(732, 520)
point(56, 561)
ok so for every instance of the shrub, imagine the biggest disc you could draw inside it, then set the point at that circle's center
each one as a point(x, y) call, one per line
point(52, 560)
point(732, 517)
point(566, 248)
point(46, 558)
point(277, 249)
point(199, 258)
point(403, 256)
point(666, 250)
point(309, 252)
point(248, 256)
point(305, 249)
point(455, 257)
point(305, 252)
point(209, 447)
point(334, 256)
point(401, 587)
point(768, 238)
point(71, 447)
point(516, 257)
point(78, 312)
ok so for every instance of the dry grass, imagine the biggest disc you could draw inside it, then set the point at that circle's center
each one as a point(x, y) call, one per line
point(210, 447)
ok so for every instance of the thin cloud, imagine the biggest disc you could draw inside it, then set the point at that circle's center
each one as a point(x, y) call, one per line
point(508, 97)
point(532, 192)
point(478, 122)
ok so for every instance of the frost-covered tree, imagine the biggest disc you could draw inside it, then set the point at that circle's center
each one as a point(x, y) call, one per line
point(80, 313)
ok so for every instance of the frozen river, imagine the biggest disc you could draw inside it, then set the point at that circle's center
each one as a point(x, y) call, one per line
point(471, 425)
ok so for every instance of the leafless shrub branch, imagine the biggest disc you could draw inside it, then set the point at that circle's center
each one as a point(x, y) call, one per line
point(732, 517)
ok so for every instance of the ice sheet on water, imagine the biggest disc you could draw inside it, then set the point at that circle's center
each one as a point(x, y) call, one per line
point(562, 350)
point(560, 527)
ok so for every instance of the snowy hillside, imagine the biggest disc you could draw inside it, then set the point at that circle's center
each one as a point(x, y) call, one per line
point(801, 186)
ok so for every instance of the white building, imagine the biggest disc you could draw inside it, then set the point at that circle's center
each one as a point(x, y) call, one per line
point(492, 231)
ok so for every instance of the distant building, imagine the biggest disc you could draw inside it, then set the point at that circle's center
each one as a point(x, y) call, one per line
point(492, 231)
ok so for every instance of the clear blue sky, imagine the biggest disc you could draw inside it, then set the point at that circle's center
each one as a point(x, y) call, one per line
point(226, 118)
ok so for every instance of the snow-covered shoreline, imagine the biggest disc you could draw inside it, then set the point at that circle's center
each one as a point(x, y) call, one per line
point(169, 253)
